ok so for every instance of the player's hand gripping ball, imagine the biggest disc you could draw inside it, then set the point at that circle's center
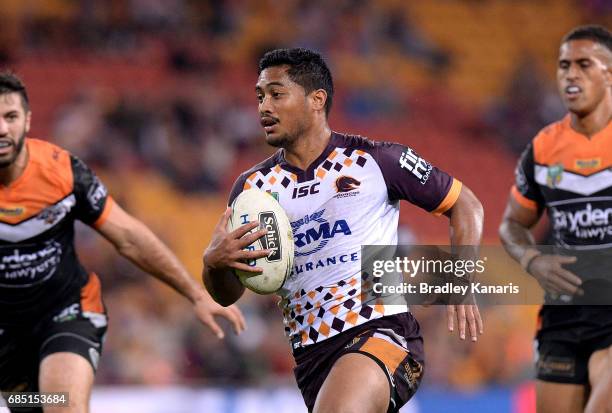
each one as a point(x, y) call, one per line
point(256, 205)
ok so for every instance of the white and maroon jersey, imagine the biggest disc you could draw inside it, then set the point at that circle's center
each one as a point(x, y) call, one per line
point(348, 197)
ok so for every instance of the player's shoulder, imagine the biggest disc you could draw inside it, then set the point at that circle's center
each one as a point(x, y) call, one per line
point(263, 166)
point(552, 134)
point(357, 142)
point(50, 160)
point(44, 152)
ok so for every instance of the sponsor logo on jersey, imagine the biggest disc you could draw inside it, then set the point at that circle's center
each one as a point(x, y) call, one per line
point(585, 223)
point(28, 264)
point(69, 313)
point(271, 240)
point(12, 212)
point(96, 193)
point(305, 190)
point(414, 163)
point(325, 262)
point(316, 237)
point(588, 163)
point(554, 175)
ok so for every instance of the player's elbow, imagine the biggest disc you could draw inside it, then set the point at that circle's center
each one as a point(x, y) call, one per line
point(502, 231)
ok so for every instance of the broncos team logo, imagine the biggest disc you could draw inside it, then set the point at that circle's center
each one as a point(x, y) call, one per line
point(346, 184)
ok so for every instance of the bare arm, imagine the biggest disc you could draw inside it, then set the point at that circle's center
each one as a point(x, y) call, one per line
point(466, 225)
point(466, 219)
point(224, 254)
point(514, 231)
point(518, 241)
point(136, 242)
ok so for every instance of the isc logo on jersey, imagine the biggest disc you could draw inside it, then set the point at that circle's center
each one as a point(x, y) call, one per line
point(316, 237)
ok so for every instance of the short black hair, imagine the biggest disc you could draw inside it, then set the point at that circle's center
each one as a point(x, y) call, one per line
point(595, 33)
point(10, 83)
point(306, 68)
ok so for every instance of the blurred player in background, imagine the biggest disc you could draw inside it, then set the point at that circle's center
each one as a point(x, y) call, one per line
point(52, 319)
point(566, 170)
point(340, 192)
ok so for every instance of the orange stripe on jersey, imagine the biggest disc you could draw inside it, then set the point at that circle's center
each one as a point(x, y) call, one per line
point(450, 198)
point(560, 144)
point(110, 202)
point(522, 200)
point(46, 180)
point(91, 295)
point(384, 351)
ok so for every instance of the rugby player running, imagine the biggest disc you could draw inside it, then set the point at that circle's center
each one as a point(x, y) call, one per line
point(52, 318)
point(566, 170)
point(340, 192)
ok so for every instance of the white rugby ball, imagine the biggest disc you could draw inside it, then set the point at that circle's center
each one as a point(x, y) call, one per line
point(256, 205)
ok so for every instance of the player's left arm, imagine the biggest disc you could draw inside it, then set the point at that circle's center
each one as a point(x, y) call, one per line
point(410, 177)
point(135, 241)
point(466, 226)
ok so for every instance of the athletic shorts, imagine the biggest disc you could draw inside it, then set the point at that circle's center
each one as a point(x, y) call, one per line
point(71, 329)
point(567, 338)
point(393, 342)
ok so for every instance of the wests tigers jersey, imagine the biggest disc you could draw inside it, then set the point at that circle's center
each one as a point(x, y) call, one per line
point(571, 176)
point(39, 269)
point(347, 198)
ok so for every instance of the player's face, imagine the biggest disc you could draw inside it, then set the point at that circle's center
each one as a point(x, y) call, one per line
point(283, 106)
point(583, 75)
point(14, 125)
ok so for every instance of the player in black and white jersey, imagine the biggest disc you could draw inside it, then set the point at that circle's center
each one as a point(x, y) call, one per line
point(52, 317)
point(340, 192)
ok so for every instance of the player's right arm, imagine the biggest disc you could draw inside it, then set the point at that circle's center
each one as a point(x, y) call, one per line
point(522, 212)
point(226, 253)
